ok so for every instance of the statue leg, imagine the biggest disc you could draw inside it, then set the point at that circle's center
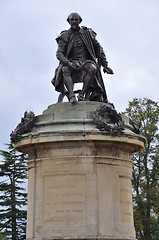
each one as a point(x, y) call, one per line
point(68, 83)
point(90, 69)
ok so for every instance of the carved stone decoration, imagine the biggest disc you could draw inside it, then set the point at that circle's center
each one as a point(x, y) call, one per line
point(135, 127)
point(107, 119)
point(25, 126)
point(69, 160)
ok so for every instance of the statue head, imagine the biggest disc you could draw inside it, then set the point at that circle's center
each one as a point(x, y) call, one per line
point(74, 20)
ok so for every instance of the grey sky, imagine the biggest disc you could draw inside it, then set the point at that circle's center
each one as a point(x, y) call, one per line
point(127, 30)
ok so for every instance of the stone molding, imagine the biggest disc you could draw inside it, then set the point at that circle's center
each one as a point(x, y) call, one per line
point(79, 183)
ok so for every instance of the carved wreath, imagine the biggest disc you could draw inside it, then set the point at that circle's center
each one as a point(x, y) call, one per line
point(107, 119)
point(25, 126)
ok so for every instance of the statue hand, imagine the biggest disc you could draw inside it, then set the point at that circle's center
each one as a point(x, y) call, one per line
point(108, 70)
point(71, 65)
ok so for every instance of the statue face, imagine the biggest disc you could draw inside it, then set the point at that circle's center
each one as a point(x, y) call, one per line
point(74, 21)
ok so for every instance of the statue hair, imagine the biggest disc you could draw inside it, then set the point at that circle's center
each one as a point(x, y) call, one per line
point(80, 18)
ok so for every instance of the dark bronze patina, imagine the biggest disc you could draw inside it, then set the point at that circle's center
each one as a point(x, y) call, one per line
point(80, 58)
point(107, 119)
point(25, 126)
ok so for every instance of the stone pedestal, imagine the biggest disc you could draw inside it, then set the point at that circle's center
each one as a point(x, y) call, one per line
point(79, 177)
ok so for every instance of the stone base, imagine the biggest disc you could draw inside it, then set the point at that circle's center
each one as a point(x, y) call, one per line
point(79, 178)
point(80, 189)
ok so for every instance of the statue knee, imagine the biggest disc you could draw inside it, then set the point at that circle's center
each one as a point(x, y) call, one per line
point(91, 69)
point(65, 71)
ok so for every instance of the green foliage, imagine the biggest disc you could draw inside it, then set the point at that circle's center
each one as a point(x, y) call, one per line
point(156, 232)
point(145, 113)
point(13, 196)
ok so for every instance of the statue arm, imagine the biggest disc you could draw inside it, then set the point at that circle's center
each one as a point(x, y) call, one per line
point(103, 61)
point(60, 53)
point(100, 54)
point(102, 58)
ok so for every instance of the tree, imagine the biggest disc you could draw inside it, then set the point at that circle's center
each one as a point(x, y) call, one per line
point(156, 233)
point(145, 181)
point(13, 197)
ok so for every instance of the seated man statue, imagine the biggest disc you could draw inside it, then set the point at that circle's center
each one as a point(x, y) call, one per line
point(80, 56)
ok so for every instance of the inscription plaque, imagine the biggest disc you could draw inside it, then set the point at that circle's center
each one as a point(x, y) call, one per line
point(65, 198)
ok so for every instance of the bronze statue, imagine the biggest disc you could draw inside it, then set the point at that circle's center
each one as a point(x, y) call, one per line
point(81, 57)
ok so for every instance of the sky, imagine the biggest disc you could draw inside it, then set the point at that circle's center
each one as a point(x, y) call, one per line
point(127, 30)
